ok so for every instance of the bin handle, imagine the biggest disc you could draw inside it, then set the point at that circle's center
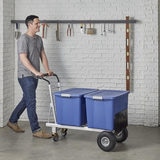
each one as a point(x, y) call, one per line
point(97, 97)
point(45, 75)
point(65, 95)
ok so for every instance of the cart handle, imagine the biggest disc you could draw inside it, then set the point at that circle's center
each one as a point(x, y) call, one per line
point(45, 75)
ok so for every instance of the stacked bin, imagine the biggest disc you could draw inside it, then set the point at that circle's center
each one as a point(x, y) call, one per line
point(71, 107)
point(107, 109)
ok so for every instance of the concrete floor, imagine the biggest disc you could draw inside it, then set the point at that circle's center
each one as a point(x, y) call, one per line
point(143, 143)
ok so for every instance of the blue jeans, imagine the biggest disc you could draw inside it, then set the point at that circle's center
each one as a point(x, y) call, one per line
point(28, 85)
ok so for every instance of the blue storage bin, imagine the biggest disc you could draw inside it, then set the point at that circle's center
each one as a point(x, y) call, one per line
point(103, 105)
point(71, 106)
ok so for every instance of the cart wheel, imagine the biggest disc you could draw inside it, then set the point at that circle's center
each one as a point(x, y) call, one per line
point(106, 141)
point(122, 136)
point(55, 137)
point(64, 132)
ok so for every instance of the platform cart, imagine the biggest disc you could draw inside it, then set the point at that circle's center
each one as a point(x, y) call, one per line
point(105, 110)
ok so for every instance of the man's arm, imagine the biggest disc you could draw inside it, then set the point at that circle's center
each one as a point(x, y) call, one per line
point(28, 65)
point(45, 63)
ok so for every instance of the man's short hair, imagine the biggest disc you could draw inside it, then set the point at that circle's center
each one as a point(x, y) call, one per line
point(29, 19)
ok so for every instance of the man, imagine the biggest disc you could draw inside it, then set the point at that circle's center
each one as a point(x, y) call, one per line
point(30, 52)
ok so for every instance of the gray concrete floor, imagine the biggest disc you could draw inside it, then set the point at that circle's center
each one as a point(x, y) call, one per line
point(143, 143)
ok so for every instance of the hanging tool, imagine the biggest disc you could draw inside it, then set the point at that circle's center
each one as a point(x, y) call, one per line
point(104, 30)
point(84, 28)
point(101, 30)
point(81, 27)
point(91, 30)
point(72, 29)
point(17, 32)
point(57, 33)
point(111, 28)
point(69, 30)
point(127, 55)
point(44, 30)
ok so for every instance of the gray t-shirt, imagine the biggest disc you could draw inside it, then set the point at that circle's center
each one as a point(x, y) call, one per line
point(33, 47)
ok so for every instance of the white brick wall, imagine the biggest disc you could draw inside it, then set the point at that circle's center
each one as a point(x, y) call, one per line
point(151, 64)
point(9, 54)
point(96, 61)
point(7, 60)
point(1, 63)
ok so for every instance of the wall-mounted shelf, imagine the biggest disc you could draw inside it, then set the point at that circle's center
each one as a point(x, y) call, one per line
point(80, 21)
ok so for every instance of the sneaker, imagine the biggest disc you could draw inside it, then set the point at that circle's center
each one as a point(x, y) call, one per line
point(42, 134)
point(15, 127)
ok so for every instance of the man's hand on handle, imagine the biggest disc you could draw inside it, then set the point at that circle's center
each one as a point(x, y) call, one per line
point(50, 73)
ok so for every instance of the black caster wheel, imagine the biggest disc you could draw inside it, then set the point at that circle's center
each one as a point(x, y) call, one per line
point(106, 141)
point(64, 132)
point(122, 135)
point(55, 137)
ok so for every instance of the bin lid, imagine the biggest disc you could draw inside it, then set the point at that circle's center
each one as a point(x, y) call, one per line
point(105, 94)
point(74, 92)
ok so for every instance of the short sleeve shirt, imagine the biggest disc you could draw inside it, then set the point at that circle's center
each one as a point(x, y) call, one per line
point(33, 47)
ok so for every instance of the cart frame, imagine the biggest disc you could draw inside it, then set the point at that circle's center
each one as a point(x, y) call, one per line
point(106, 139)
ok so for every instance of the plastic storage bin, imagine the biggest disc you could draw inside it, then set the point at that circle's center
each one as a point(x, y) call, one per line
point(104, 106)
point(71, 107)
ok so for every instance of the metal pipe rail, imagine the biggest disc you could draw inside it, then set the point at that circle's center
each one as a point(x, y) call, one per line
point(80, 21)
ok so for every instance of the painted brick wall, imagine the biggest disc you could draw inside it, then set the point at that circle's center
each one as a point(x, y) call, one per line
point(97, 61)
point(150, 77)
point(158, 50)
point(7, 60)
point(1, 63)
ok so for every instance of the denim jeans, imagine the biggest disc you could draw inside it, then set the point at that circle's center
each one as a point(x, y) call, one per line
point(28, 85)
